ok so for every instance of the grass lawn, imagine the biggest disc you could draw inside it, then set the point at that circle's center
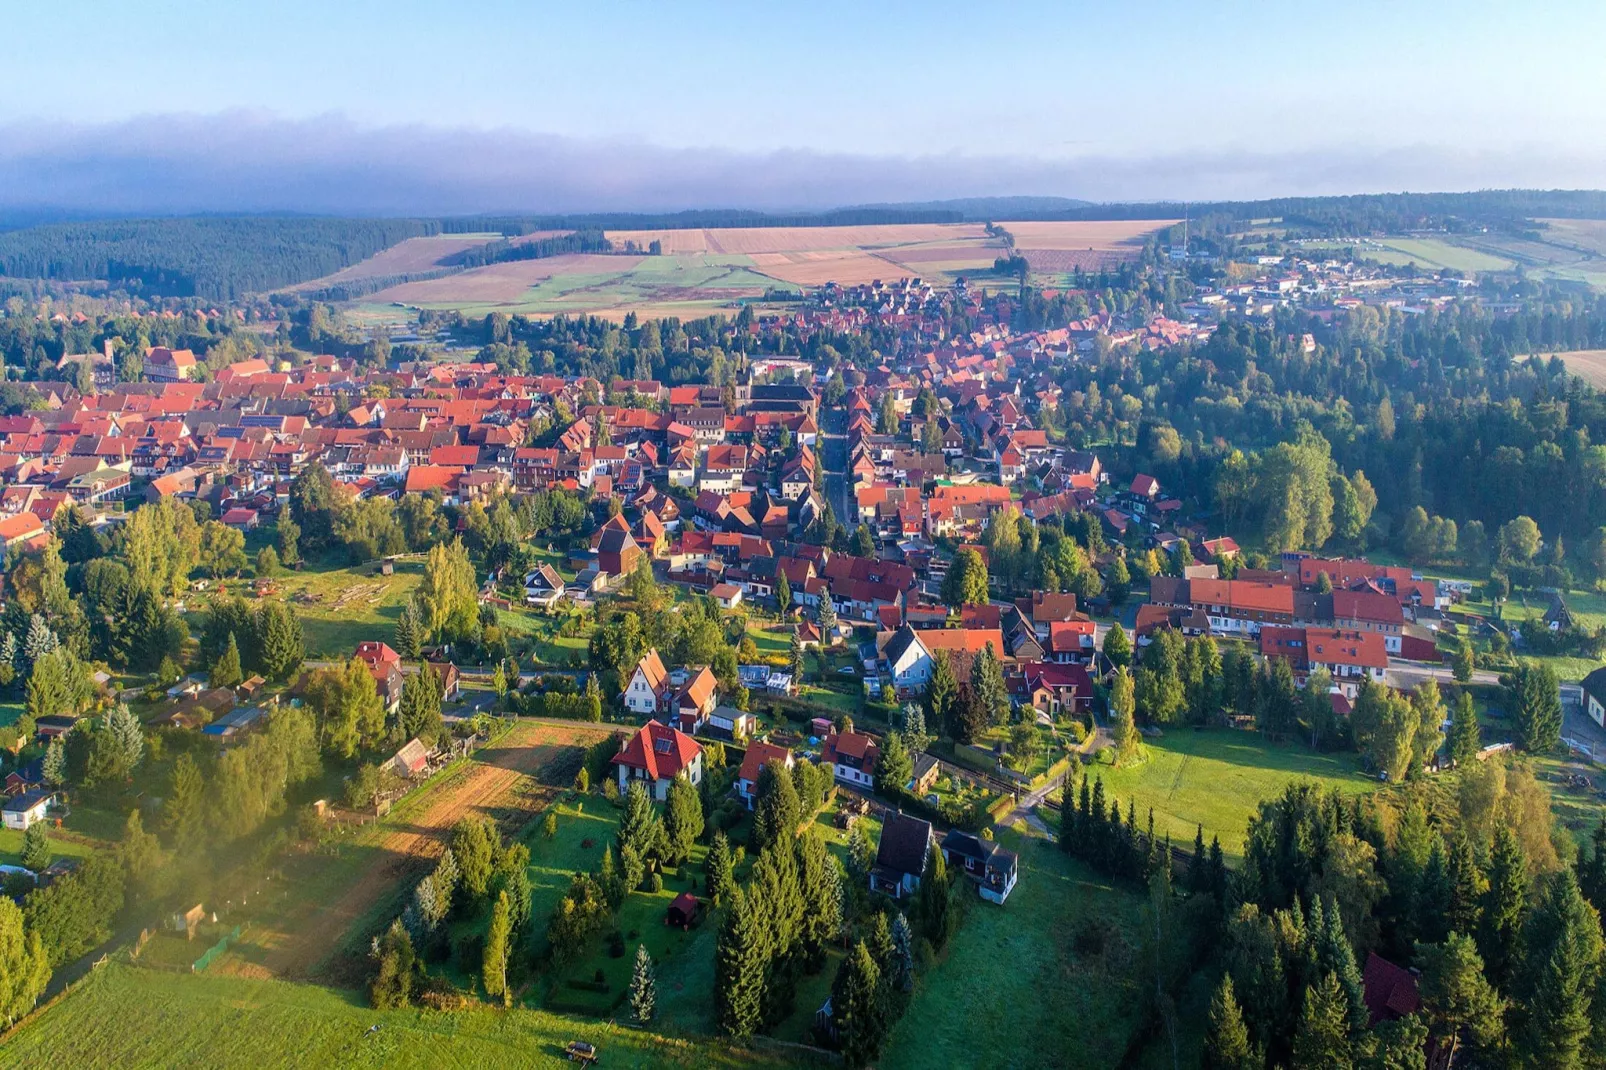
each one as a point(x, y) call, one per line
point(1217, 778)
point(68, 845)
point(554, 862)
point(124, 1016)
point(10, 713)
point(771, 639)
point(339, 608)
point(1013, 990)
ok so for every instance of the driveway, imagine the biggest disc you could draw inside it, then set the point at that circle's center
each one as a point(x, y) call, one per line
point(1407, 674)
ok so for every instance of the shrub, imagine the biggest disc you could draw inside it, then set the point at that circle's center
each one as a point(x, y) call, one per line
point(656, 883)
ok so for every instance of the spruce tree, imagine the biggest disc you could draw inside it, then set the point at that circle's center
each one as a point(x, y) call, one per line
point(1558, 972)
point(894, 768)
point(739, 965)
point(643, 987)
point(1503, 906)
point(54, 766)
point(777, 811)
point(783, 592)
point(718, 877)
point(820, 882)
point(1457, 999)
point(227, 673)
point(825, 616)
point(36, 847)
point(856, 1008)
point(1334, 954)
point(1322, 1039)
point(1226, 1045)
point(1464, 741)
point(941, 692)
point(1467, 887)
point(932, 901)
point(407, 637)
point(683, 818)
point(1067, 832)
point(901, 967)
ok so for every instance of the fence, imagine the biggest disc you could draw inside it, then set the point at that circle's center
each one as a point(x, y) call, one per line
point(215, 950)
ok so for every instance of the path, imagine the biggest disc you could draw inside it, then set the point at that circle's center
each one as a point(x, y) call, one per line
point(491, 784)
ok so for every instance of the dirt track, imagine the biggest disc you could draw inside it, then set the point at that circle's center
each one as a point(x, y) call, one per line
point(501, 782)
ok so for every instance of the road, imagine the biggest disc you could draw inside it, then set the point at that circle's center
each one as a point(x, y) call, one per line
point(834, 456)
point(1407, 674)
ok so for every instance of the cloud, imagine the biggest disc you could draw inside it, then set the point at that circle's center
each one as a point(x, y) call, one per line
point(250, 161)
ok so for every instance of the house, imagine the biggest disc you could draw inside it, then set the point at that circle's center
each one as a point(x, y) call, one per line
point(234, 723)
point(52, 725)
point(695, 701)
point(1389, 991)
point(28, 809)
point(851, 756)
point(241, 519)
point(926, 771)
point(1594, 687)
point(728, 595)
point(900, 857)
point(727, 722)
point(543, 587)
point(25, 778)
point(618, 553)
point(384, 665)
point(992, 867)
point(411, 760)
point(645, 692)
point(656, 754)
point(451, 680)
point(164, 365)
point(682, 911)
point(759, 754)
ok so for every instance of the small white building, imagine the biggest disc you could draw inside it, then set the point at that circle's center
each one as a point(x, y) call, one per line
point(27, 809)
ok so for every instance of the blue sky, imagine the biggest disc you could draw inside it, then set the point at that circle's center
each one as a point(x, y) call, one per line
point(1501, 92)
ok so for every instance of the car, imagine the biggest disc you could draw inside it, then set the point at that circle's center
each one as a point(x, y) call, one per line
point(579, 1051)
point(847, 670)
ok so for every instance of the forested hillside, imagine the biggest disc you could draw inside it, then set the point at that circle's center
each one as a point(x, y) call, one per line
point(218, 258)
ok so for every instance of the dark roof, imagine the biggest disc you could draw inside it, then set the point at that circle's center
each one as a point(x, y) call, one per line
point(899, 644)
point(1390, 991)
point(614, 541)
point(904, 842)
point(27, 800)
point(1595, 684)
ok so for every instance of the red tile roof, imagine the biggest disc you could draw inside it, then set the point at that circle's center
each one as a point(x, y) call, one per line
point(663, 752)
point(760, 754)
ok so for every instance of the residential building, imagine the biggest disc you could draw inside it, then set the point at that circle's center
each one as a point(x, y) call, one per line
point(992, 867)
point(655, 755)
point(900, 859)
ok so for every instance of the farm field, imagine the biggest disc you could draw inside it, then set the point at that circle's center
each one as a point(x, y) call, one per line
point(1217, 778)
point(323, 902)
point(125, 1016)
point(712, 270)
point(1588, 364)
point(407, 257)
point(1013, 984)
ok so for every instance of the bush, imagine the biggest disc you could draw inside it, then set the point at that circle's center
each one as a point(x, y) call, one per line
point(656, 883)
point(1078, 732)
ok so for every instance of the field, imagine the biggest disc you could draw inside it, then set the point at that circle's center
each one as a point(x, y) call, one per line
point(408, 257)
point(1587, 364)
point(124, 1016)
point(1217, 778)
point(706, 271)
point(1013, 990)
point(340, 608)
point(324, 901)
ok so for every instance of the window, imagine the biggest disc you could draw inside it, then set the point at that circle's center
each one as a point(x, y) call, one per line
point(661, 746)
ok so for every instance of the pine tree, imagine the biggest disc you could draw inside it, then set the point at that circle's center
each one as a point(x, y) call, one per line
point(1322, 1040)
point(1457, 998)
point(820, 884)
point(739, 965)
point(825, 617)
point(932, 901)
point(1467, 887)
point(783, 592)
point(777, 811)
point(683, 819)
point(987, 678)
point(1226, 1044)
point(54, 766)
point(282, 644)
point(894, 768)
point(493, 971)
point(643, 987)
point(1334, 954)
point(1068, 815)
point(1557, 975)
point(407, 639)
point(129, 736)
point(1503, 906)
point(901, 967)
point(226, 672)
point(794, 657)
point(1464, 740)
point(39, 642)
point(941, 691)
point(36, 847)
point(856, 1008)
point(718, 876)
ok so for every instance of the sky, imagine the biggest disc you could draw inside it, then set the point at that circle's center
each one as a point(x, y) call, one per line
point(474, 105)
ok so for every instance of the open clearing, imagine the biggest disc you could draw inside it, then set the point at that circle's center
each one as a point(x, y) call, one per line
point(1013, 984)
point(125, 1016)
point(716, 270)
point(1588, 364)
point(501, 781)
point(1217, 778)
point(414, 254)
